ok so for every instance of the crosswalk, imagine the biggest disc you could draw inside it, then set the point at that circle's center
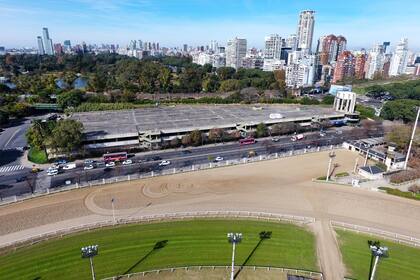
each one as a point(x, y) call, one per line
point(11, 168)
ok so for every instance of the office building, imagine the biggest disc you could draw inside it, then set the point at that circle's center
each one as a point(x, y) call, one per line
point(399, 58)
point(291, 42)
point(305, 30)
point(359, 67)
point(272, 49)
point(375, 62)
point(235, 51)
point(301, 72)
point(48, 45)
point(58, 49)
point(41, 50)
point(67, 46)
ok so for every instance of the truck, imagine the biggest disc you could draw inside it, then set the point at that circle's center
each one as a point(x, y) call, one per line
point(297, 137)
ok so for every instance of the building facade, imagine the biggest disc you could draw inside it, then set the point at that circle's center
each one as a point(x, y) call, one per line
point(48, 45)
point(344, 67)
point(235, 51)
point(272, 49)
point(305, 30)
point(399, 59)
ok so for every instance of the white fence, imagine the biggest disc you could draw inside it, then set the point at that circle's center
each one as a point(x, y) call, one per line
point(165, 172)
point(158, 218)
point(396, 237)
point(297, 272)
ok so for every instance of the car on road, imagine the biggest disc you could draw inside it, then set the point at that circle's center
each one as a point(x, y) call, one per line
point(52, 172)
point(164, 163)
point(156, 158)
point(218, 159)
point(21, 179)
point(99, 164)
point(88, 167)
point(69, 166)
point(322, 134)
point(275, 139)
point(339, 132)
point(89, 161)
point(127, 162)
point(110, 164)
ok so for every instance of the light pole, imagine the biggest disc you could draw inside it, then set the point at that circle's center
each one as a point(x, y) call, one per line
point(332, 156)
point(377, 252)
point(412, 138)
point(233, 238)
point(89, 252)
point(113, 209)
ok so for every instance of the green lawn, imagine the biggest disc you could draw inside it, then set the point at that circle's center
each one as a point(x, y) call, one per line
point(199, 242)
point(37, 156)
point(403, 262)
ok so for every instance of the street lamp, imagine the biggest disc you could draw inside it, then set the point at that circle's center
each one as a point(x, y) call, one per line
point(233, 238)
point(332, 156)
point(89, 252)
point(377, 252)
point(412, 138)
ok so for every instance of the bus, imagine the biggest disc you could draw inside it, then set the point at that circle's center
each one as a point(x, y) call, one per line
point(115, 156)
point(247, 141)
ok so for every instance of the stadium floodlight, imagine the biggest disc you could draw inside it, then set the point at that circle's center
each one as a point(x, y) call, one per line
point(89, 252)
point(331, 156)
point(413, 134)
point(377, 252)
point(234, 238)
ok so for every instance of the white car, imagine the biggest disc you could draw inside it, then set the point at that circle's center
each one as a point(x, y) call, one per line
point(322, 134)
point(69, 166)
point(164, 163)
point(110, 164)
point(89, 161)
point(218, 159)
point(88, 167)
point(52, 172)
point(127, 162)
point(52, 168)
point(275, 139)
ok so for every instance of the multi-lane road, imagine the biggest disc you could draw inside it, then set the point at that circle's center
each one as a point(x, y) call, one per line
point(22, 181)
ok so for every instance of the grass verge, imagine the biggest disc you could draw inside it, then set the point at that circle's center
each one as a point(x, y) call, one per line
point(400, 193)
point(37, 156)
point(403, 262)
point(130, 249)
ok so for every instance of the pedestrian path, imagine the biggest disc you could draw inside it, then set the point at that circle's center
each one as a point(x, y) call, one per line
point(11, 168)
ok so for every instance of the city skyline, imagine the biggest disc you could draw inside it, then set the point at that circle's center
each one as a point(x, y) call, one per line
point(120, 21)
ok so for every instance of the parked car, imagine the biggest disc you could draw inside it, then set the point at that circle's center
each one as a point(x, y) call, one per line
point(88, 167)
point(89, 161)
point(322, 134)
point(275, 139)
point(127, 162)
point(52, 172)
point(110, 164)
point(69, 166)
point(99, 164)
point(61, 162)
point(164, 163)
point(218, 159)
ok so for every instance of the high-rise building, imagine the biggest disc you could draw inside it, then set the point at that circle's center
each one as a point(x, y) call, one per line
point(359, 67)
point(235, 51)
point(302, 72)
point(341, 45)
point(399, 58)
point(41, 50)
point(67, 45)
point(386, 46)
point(58, 49)
point(185, 48)
point(305, 30)
point(329, 47)
point(291, 42)
point(272, 48)
point(48, 45)
point(375, 61)
point(140, 44)
point(344, 67)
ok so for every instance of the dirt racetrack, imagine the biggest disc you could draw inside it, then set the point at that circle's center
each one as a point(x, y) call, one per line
point(280, 186)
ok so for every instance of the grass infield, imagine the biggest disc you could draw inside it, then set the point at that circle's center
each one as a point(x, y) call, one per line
point(129, 248)
point(403, 262)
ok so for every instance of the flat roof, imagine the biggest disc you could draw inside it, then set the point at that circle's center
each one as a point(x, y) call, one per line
point(180, 118)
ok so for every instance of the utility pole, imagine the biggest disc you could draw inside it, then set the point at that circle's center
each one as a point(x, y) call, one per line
point(377, 252)
point(89, 252)
point(233, 238)
point(113, 209)
point(332, 156)
point(412, 139)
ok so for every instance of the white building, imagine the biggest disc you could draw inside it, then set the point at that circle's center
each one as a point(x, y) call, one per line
point(235, 51)
point(273, 64)
point(272, 49)
point(291, 42)
point(399, 59)
point(375, 61)
point(345, 101)
point(301, 73)
point(48, 45)
point(305, 30)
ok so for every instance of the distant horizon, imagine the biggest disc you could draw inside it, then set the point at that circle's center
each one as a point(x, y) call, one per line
point(196, 23)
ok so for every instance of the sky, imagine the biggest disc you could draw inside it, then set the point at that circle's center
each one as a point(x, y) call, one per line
point(196, 22)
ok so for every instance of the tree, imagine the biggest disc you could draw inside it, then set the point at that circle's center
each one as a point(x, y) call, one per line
point(37, 134)
point(4, 117)
point(225, 73)
point(261, 130)
point(65, 137)
point(164, 79)
point(400, 136)
point(71, 98)
point(328, 99)
point(216, 134)
point(196, 137)
point(229, 85)
point(403, 109)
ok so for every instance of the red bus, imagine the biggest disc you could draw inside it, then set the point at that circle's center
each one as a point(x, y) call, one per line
point(247, 141)
point(115, 156)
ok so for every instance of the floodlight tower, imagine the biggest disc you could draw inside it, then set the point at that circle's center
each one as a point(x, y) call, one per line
point(332, 156)
point(89, 252)
point(233, 238)
point(377, 252)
